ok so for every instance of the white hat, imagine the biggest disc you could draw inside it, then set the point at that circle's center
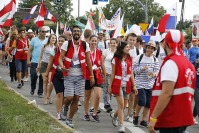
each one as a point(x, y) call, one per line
point(30, 30)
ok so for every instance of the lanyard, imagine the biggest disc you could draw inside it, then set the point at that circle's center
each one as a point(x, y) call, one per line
point(93, 57)
point(76, 51)
point(24, 43)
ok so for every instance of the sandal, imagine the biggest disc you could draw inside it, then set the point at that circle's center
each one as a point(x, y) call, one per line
point(45, 101)
point(50, 101)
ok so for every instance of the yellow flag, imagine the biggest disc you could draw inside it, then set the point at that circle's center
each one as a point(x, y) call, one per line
point(122, 31)
point(143, 26)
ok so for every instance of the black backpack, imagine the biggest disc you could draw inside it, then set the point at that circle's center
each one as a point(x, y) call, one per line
point(141, 56)
point(158, 52)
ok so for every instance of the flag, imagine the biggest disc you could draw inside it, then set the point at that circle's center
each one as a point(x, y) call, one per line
point(6, 14)
point(1, 32)
point(42, 11)
point(51, 31)
point(61, 26)
point(143, 26)
point(57, 31)
point(92, 14)
point(150, 28)
point(184, 32)
point(51, 17)
point(33, 9)
point(26, 19)
point(39, 21)
point(119, 28)
point(168, 21)
point(90, 20)
point(81, 25)
point(122, 31)
point(145, 38)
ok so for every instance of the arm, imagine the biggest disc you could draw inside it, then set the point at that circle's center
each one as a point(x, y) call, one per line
point(104, 71)
point(29, 55)
point(138, 69)
point(40, 57)
point(89, 65)
point(111, 79)
point(133, 83)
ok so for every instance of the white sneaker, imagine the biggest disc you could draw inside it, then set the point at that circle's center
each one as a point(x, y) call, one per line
point(25, 80)
point(122, 129)
point(129, 119)
point(114, 121)
point(195, 122)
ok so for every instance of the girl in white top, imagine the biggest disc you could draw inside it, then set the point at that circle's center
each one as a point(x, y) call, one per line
point(107, 57)
point(42, 66)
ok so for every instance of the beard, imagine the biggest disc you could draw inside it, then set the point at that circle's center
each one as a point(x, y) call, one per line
point(76, 37)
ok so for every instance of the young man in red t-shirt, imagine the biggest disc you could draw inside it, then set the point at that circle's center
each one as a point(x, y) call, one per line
point(21, 56)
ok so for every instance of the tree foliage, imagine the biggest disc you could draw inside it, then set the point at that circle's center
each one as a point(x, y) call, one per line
point(187, 27)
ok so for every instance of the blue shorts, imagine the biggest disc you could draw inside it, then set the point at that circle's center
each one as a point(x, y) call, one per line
point(20, 65)
point(144, 97)
point(58, 85)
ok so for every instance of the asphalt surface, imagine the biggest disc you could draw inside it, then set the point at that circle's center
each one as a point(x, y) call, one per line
point(81, 126)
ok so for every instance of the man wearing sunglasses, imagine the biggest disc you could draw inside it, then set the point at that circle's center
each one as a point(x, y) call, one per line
point(33, 58)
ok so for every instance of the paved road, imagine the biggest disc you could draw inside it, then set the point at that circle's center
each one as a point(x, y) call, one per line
point(81, 126)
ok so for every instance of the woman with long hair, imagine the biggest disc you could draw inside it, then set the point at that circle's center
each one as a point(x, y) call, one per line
point(42, 66)
point(97, 66)
point(107, 56)
point(57, 75)
point(121, 82)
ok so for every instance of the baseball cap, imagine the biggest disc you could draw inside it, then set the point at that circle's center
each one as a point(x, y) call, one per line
point(30, 30)
point(151, 43)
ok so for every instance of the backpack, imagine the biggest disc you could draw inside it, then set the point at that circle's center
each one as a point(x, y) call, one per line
point(158, 52)
point(83, 43)
point(141, 56)
point(137, 51)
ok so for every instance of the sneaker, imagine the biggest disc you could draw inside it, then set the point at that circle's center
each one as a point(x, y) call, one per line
point(64, 113)
point(69, 123)
point(95, 118)
point(22, 83)
point(108, 108)
point(129, 119)
point(195, 122)
point(86, 117)
point(25, 80)
point(122, 129)
point(114, 121)
point(58, 116)
point(143, 123)
point(19, 86)
point(79, 103)
point(40, 95)
point(32, 92)
point(112, 114)
point(92, 110)
point(135, 121)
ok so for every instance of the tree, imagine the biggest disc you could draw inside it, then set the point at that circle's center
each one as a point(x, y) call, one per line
point(186, 27)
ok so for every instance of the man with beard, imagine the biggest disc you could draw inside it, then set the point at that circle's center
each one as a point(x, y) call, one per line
point(76, 55)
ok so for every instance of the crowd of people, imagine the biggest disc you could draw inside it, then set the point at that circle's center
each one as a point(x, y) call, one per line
point(159, 77)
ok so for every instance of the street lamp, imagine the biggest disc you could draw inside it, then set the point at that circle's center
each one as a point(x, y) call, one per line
point(145, 8)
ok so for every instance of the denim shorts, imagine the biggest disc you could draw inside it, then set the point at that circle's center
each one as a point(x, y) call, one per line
point(20, 65)
point(123, 93)
point(144, 97)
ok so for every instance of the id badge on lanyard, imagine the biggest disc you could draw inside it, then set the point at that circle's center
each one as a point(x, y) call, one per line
point(76, 61)
point(94, 67)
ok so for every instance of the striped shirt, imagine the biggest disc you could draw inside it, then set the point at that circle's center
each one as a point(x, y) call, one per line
point(142, 79)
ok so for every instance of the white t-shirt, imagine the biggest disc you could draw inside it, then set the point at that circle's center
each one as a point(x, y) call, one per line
point(133, 53)
point(101, 45)
point(107, 60)
point(75, 70)
point(169, 71)
point(161, 55)
point(124, 71)
point(141, 51)
point(47, 51)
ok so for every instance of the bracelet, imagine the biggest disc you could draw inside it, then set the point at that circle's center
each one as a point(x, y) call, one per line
point(153, 119)
point(91, 76)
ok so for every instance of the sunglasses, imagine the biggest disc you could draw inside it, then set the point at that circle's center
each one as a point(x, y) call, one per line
point(43, 31)
point(76, 30)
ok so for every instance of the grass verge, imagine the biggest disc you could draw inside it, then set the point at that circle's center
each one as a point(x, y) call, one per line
point(16, 116)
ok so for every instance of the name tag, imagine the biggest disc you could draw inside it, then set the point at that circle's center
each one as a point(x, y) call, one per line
point(76, 62)
point(125, 78)
point(94, 67)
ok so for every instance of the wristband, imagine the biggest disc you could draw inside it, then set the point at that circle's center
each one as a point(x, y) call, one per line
point(153, 119)
point(91, 76)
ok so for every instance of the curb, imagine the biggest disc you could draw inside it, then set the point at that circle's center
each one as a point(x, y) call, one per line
point(41, 109)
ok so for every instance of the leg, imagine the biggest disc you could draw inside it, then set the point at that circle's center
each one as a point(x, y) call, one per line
point(130, 103)
point(33, 77)
point(148, 94)
point(45, 84)
point(40, 89)
point(141, 101)
point(97, 95)
point(120, 110)
point(59, 98)
point(86, 101)
point(73, 107)
point(92, 99)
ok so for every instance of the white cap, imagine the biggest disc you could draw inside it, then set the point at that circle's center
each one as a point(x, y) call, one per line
point(30, 30)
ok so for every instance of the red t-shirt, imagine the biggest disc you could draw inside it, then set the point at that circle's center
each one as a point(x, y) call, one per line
point(21, 46)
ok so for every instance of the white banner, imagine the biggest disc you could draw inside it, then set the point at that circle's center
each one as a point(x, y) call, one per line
point(195, 28)
point(109, 24)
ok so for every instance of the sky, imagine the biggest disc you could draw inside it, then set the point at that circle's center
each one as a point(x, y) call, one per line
point(191, 6)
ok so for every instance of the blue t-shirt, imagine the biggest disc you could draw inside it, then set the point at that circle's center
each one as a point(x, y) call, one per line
point(185, 52)
point(192, 52)
point(37, 44)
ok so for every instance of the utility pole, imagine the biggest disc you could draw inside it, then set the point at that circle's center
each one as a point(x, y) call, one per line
point(145, 8)
point(182, 14)
point(78, 8)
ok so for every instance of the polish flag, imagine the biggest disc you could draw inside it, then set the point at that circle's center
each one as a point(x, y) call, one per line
point(33, 9)
point(26, 19)
point(169, 20)
point(51, 17)
point(39, 21)
point(6, 14)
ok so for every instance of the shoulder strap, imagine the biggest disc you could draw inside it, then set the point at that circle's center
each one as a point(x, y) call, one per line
point(69, 42)
point(144, 50)
point(158, 52)
point(105, 44)
point(141, 56)
point(137, 51)
point(84, 45)
point(154, 58)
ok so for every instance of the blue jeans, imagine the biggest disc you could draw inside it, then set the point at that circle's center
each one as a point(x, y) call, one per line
point(34, 79)
point(196, 98)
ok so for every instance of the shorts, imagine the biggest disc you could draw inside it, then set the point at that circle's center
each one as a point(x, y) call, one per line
point(89, 87)
point(123, 93)
point(20, 65)
point(144, 97)
point(58, 85)
point(43, 67)
point(74, 85)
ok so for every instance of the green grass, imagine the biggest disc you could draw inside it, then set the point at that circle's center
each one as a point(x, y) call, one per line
point(16, 116)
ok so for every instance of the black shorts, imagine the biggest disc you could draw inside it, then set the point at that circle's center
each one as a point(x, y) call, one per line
point(89, 87)
point(58, 85)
